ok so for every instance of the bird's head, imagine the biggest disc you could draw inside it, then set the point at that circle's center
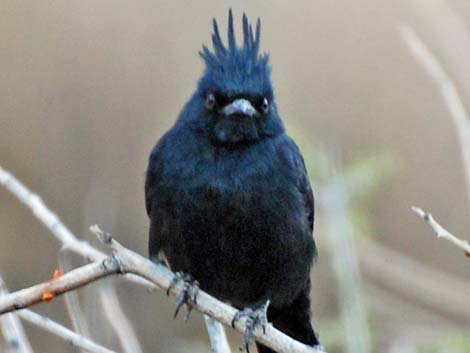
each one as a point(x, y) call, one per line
point(234, 101)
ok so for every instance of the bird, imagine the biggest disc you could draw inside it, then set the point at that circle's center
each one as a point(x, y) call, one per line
point(228, 196)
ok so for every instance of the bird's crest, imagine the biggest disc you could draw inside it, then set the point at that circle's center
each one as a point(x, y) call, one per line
point(245, 57)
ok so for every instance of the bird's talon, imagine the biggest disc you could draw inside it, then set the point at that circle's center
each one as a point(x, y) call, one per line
point(236, 317)
point(174, 281)
point(254, 318)
point(187, 295)
point(179, 303)
point(192, 293)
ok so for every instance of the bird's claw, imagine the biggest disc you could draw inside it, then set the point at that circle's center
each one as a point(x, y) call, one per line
point(187, 295)
point(254, 317)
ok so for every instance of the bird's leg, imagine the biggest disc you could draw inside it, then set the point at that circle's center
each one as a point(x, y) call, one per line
point(187, 295)
point(256, 315)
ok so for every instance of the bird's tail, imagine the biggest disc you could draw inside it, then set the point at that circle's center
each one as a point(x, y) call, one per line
point(293, 320)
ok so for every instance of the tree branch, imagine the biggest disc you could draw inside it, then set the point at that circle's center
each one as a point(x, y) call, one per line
point(127, 338)
point(18, 341)
point(441, 232)
point(46, 291)
point(124, 261)
point(63, 332)
point(15, 337)
point(48, 218)
point(217, 335)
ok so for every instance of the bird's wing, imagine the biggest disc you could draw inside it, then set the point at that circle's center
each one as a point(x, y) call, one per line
point(153, 175)
point(306, 190)
point(303, 183)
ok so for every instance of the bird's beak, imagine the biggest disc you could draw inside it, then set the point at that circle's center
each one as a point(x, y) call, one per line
point(239, 106)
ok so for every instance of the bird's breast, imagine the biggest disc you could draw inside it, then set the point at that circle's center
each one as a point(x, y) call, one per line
point(235, 221)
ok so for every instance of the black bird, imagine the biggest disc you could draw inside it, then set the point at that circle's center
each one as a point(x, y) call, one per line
point(228, 196)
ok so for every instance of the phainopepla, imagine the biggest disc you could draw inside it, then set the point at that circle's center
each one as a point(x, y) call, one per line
point(228, 196)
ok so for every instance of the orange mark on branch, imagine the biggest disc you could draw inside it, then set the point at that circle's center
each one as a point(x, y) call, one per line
point(467, 254)
point(47, 296)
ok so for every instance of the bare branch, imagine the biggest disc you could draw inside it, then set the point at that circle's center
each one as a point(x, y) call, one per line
point(49, 219)
point(19, 342)
point(162, 277)
point(126, 261)
point(15, 337)
point(441, 232)
point(48, 290)
point(217, 337)
point(63, 332)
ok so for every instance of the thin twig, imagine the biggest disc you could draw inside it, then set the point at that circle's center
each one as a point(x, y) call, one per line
point(53, 223)
point(49, 219)
point(441, 232)
point(15, 337)
point(63, 332)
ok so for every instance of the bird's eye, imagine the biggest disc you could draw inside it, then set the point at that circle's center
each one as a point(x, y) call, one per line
point(264, 105)
point(210, 101)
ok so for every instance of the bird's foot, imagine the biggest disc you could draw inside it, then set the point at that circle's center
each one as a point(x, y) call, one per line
point(255, 316)
point(187, 295)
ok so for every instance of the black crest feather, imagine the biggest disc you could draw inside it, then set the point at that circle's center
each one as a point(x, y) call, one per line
point(246, 56)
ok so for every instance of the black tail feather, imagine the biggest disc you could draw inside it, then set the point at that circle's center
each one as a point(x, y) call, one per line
point(293, 320)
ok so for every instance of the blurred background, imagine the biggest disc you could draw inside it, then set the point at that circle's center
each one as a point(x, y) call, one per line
point(87, 87)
